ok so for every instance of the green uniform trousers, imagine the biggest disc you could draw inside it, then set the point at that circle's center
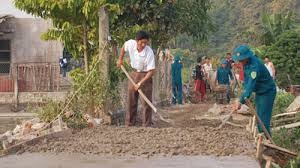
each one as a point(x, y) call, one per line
point(264, 107)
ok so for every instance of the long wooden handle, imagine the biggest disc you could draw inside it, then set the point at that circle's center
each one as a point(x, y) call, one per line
point(252, 109)
point(140, 91)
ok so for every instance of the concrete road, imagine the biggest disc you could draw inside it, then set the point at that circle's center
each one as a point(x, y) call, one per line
point(83, 161)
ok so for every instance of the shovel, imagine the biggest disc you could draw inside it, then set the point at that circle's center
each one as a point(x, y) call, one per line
point(225, 120)
point(146, 99)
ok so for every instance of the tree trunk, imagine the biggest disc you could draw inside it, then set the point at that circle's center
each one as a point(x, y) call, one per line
point(85, 51)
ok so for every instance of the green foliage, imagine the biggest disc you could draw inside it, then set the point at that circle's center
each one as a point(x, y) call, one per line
point(153, 15)
point(89, 94)
point(215, 61)
point(182, 41)
point(294, 163)
point(285, 55)
point(77, 121)
point(238, 22)
point(282, 101)
point(187, 56)
point(163, 19)
point(49, 110)
point(193, 18)
point(93, 90)
point(288, 138)
point(186, 73)
point(274, 25)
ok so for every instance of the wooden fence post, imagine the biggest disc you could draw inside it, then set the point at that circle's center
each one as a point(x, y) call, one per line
point(259, 147)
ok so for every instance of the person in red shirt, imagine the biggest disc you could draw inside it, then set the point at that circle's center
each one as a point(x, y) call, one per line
point(241, 71)
point(199, 80)
point(238, 69)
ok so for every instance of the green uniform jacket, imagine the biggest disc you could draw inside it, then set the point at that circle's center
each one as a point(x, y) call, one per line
point(257, 79)
point(223, 75)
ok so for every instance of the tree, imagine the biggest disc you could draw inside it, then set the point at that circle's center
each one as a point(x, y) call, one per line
point(285, 54)
point(193, 18)
point(164, 19)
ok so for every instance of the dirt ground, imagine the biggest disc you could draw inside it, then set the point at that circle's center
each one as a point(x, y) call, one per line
point(186, 137)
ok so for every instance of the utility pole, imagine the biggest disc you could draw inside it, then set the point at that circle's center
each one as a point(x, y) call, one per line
point(103, 42)
point(103, 50)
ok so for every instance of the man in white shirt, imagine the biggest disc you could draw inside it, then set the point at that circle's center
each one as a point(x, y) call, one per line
point(208, 67)
point(142, 60)
point(270, 66)
point(208, 71)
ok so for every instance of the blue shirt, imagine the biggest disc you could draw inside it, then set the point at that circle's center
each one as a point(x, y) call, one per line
point(257, 79)
point(228, 63)
point(223, 75)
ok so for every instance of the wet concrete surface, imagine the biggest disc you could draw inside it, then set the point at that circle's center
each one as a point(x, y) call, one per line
point(47, 160)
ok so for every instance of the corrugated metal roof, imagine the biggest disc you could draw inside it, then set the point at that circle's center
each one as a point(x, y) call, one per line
point(3, 18)
point(6, 24)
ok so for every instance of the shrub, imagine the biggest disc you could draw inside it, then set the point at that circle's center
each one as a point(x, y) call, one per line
point(282, 101)
point(88, 95)
point(288, 138)
point(48, 110)
point(186, 75)
point(285, 55)
point(294, 163)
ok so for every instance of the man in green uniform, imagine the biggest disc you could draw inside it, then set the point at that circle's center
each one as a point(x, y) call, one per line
point(176, 69)
point(258, 80)
point(223, 76)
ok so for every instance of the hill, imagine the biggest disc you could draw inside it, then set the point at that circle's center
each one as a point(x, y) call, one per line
point(239, 21)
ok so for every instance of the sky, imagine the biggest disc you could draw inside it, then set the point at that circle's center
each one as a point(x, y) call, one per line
point(7, 7)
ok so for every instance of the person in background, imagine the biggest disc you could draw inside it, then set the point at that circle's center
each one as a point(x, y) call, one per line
point(258, 80)
point(199, 79)
point(176, 69)
point(229, 61)
point(208, 71)
point(239, 70)
point(224, 77)
point(63, 63)
point(270, 66)
point(142, 61)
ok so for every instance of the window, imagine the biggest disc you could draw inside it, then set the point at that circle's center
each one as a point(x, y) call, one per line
point(5, 54)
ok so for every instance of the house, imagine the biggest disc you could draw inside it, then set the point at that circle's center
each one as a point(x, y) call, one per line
point(23, 55)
